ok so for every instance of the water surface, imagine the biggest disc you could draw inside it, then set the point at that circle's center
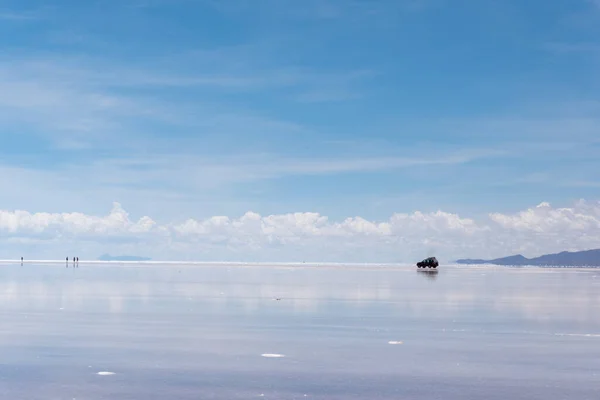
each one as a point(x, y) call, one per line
point(283, 332)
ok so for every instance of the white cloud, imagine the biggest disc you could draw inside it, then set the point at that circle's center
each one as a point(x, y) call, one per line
point(187, 177)
point(314, 237)
point(308, 226)
point(85, 101)
point(548, 220)
point(55, 225)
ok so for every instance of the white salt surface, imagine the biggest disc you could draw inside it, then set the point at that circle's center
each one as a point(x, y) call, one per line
point(508, 335)
point(578, 334)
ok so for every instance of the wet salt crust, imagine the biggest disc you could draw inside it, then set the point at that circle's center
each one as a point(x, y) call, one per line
point(347, 333)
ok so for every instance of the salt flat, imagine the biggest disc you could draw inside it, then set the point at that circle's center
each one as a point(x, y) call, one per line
point(224, 331)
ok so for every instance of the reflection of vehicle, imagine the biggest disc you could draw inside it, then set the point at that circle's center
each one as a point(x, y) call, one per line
point(430, 262)
point(429, 273)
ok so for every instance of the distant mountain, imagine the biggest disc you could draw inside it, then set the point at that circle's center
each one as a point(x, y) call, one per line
point(108, 257)
point(587, 258)
point(511, 260)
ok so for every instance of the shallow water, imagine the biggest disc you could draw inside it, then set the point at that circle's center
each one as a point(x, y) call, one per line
point(241, 332)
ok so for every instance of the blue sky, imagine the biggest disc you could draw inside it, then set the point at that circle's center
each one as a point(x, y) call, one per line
point(194, 108)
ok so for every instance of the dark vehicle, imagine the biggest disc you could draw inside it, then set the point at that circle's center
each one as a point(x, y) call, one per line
point(430, 262)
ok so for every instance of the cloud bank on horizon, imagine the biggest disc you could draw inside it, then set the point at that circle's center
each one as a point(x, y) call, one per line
point(308, 236)
point(305, 112)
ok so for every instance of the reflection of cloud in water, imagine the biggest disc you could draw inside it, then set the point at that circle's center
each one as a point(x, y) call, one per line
point(533, 294)
point(219, 327)
point(116, 304)
point(546, 305)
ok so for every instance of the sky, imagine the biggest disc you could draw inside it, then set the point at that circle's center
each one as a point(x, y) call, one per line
point(279, 130)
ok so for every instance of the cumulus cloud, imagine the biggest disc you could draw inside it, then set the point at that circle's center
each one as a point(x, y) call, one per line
point(545, 219)
point(314, 237)
point(116, 223)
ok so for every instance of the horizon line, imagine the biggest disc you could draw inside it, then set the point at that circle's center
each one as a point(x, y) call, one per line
point(70, 261)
